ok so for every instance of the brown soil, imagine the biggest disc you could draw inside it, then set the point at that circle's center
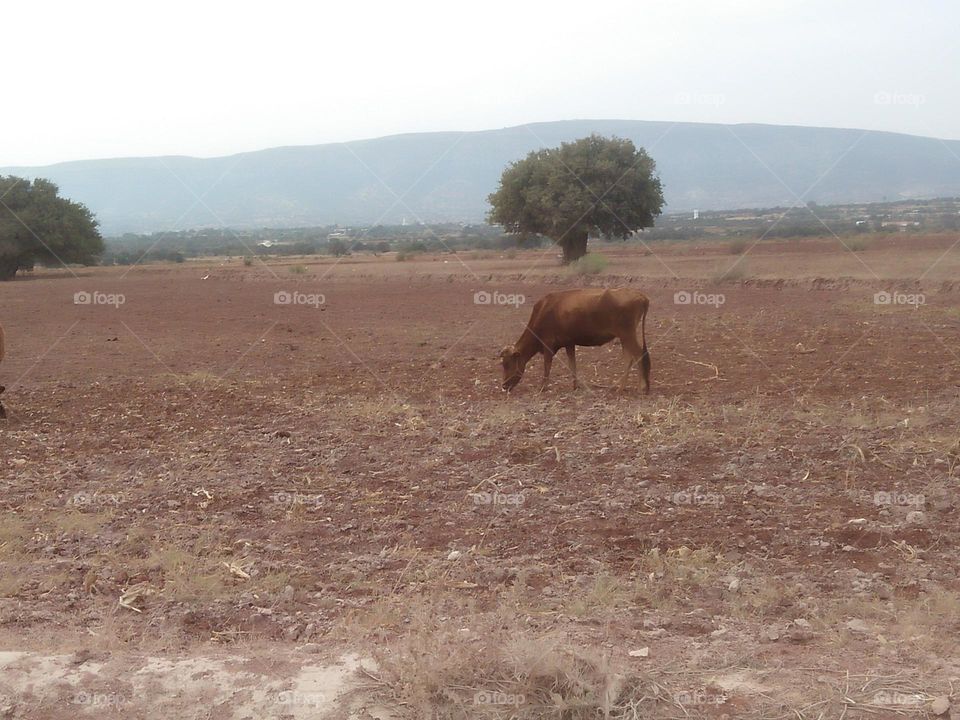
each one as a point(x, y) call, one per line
point(247, 472)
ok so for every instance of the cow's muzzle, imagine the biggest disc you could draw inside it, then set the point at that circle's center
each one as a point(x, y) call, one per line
point(511, 382)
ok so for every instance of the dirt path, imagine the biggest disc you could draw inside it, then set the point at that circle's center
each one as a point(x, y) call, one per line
point(272, 683)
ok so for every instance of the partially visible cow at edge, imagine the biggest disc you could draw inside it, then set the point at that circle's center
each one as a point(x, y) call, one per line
point(3, 413)
point(587, 317)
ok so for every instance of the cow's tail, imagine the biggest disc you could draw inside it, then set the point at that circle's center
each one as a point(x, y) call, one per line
point(3, 413)
point(644, 353)
point(643, 325)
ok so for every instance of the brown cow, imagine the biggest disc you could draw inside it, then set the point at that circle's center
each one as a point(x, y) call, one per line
point(589, 317)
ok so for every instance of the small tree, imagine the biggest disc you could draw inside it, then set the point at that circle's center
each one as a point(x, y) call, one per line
point(595, 185)
point(37, 225)
point(338, 248)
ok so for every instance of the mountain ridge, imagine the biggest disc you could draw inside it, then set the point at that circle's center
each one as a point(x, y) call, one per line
point(447, 175)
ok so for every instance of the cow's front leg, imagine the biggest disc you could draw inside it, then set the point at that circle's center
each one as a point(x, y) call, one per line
point(572, 362)
point(547, 362)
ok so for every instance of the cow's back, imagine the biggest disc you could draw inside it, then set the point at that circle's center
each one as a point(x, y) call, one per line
point(586, 316)
point(597, 303)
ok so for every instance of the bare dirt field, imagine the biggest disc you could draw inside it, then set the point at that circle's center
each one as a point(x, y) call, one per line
point(218, 504)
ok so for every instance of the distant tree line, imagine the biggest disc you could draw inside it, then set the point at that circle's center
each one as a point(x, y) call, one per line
point(812, 220)
point(798, 222)
point(133, 248)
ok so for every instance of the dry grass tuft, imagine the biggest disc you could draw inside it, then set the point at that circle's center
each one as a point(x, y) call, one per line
point(14, 535)
point(492, 670)
point(668, 578)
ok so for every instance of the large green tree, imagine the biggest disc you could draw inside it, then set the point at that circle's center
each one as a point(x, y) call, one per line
point(39, 226)
point(593, 186)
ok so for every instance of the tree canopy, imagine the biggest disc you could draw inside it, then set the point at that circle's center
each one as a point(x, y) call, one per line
point(593, 186)
point(39, 226)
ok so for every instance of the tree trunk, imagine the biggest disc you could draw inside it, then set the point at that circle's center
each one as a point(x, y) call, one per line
point(8, 267)
point(574, 246)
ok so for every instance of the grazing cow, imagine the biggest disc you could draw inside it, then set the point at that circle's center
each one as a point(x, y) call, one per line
point(3, 413)
point(589, 317)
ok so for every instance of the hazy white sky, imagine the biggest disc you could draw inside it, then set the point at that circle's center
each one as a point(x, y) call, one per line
point(106, 79)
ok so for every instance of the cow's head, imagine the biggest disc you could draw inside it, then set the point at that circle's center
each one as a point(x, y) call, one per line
point(512, 367)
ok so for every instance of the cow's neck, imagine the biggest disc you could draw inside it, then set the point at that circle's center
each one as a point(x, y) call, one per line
point(527, 346)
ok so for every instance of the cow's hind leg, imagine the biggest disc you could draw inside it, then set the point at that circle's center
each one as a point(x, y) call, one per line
point(629, 360)
point(638, 356)
point(644, 367)
point(3, 413)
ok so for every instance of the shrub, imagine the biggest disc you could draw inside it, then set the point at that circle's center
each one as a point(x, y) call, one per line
point(248, 261)
point(417, 246)
point(591, 264)
point(298, 269)
point(737, 271)
point(737, 247)
point(338, 248)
